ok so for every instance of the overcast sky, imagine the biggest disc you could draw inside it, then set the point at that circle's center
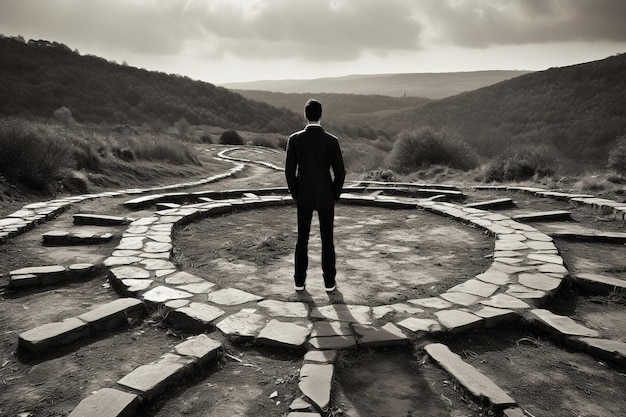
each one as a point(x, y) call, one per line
point(241, 40)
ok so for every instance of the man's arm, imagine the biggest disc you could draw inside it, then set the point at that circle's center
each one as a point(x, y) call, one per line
point(291, 165)
point(339, 171)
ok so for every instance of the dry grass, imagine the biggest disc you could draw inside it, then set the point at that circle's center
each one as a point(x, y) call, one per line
point(43, 158)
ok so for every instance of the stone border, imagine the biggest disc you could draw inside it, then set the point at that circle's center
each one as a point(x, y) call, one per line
point(602, 205)
point(527, 269)
point(33, 214)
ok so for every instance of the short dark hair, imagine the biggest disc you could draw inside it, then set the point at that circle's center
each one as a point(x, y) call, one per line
point(313, 110)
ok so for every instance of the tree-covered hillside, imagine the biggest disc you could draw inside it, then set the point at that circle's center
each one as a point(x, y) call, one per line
point(579, 109)
point(338, 108)
point(39, 77)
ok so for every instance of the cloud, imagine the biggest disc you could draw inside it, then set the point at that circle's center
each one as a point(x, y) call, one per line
point(482, 23)
point(332, 29)
point(311, 30)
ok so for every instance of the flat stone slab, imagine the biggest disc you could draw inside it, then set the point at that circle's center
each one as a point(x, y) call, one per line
point(610, 350)
point(113, 314)
point(151, 379)
point(561, 325)
point(476, 287)
point(134, 286)
point(544, 216)
point(197, 288)
point(316, 383)
point(432, 302)
point(599, 284)
point(52, 335)
point(379, 312)
point(417, 325)
point(195, 316)
point(460, 298)
point(129, 272)
point(182, 278)
point(121, 260)
point(375, 336)
point(471, 378)
point(541, 282)
point(498, 203)
point(321, 356)
point(232, 297)
point(40, 270)
point(343, 312)
point(337, 342)
point(456, 321)
point(524, 293)
point(281, 334)
point(163, 294)
point(495, 316)
point(100, 220)
point(331, 328)
point(107, 402)
point(285, 309)
point(242, 325)
point(59, 237)
point(201, 347)
point(505, 301)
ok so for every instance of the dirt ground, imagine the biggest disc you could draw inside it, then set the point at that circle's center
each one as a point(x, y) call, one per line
point(384, 256)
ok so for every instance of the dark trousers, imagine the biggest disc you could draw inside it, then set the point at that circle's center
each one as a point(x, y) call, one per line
point(326, 219)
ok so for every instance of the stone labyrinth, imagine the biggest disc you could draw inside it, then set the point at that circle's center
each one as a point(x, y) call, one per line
point(526, 272)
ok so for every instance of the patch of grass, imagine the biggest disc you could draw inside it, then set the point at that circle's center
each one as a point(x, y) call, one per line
point(163, 148)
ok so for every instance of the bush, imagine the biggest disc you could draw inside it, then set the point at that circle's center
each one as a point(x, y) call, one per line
point(617, 156)
point(420, 148)
point(521, 163)
point(37, 158)
point(206, 137)
point(231, 137)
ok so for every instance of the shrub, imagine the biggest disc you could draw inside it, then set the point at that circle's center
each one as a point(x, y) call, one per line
point(231, 137)
point(206, 137)
point(37, 158)
point(182, 126)
point(617, 156)
point(281, 143)
point(420, 148)
point(521, 163)
point(64, 115)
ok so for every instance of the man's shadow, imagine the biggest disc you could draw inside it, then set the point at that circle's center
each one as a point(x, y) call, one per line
point(337, 301)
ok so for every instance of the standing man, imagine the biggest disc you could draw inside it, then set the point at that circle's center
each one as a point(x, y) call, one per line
point(311, 153)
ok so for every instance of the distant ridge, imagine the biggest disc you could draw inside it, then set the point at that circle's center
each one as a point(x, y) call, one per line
point(579, 110)
point(426, 85)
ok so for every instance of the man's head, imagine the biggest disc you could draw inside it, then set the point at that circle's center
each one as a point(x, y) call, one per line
point(313, 110)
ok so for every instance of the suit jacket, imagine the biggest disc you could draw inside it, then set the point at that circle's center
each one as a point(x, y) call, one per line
point(311, 153)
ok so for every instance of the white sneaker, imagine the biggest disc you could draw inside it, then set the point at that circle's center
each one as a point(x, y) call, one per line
point(299, 288)
point(331, 289)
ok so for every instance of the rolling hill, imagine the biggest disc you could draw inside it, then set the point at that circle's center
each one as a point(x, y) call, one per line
point(427, 85)
point(339, 108)
point(579, 109)
point(39, 77)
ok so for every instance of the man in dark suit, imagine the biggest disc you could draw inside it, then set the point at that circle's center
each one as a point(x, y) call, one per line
point(311, 153)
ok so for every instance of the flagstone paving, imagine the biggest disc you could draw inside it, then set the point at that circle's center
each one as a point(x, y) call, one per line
point(526, 272)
